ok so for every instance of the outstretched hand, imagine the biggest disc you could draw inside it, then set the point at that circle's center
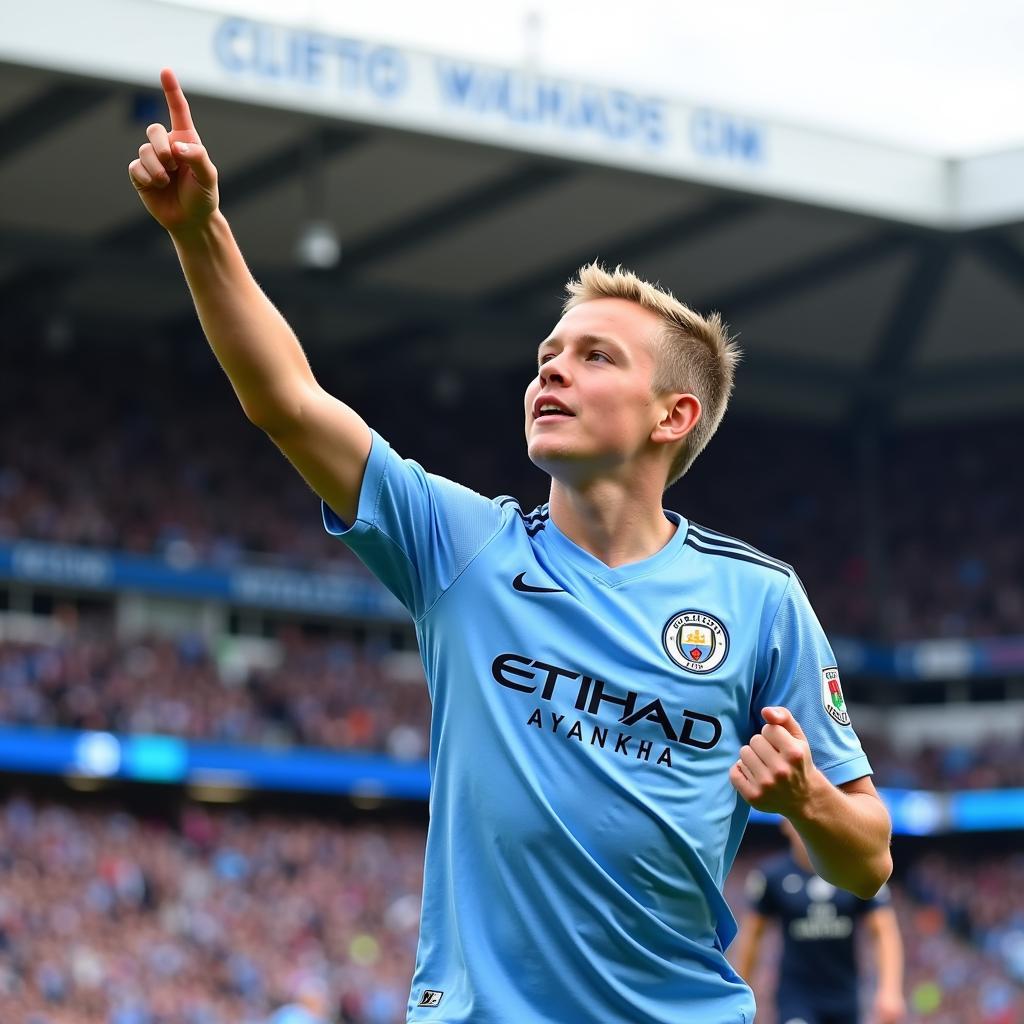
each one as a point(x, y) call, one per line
point(775, 772)
point(173, 174)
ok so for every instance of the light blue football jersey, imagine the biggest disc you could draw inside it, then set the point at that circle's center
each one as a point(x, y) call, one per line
point(584, 722)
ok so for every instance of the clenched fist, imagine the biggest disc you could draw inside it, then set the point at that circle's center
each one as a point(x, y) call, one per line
point(173, 174)
point(775, 772)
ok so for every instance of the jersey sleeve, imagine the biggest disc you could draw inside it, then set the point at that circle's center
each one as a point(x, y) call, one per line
point(415, 531)
point(799, 672)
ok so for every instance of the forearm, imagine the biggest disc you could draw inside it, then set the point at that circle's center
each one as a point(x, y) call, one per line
point(889, 954)
point(252, 341)
point(847, 837)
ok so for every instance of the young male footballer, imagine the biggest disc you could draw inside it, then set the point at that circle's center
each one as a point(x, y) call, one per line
point(613, 686)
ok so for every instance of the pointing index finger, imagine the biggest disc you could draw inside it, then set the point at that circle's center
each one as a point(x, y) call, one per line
point(177, 105)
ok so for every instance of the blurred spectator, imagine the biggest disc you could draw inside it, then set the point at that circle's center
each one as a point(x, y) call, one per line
point(992, 763)
point(223, 917)
point(324, 693)
point(311, 1006)
point(219, 918)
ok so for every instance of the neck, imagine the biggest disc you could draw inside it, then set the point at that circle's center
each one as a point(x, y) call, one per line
point(616, 523)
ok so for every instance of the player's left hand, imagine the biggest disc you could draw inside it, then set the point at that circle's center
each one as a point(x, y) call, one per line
point(775, 772)
point(889, 1008)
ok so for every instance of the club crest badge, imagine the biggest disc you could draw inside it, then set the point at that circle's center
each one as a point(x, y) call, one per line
point(695, 641)
point(832, 696)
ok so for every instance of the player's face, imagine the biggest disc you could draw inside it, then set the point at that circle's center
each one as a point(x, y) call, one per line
point(596, 368)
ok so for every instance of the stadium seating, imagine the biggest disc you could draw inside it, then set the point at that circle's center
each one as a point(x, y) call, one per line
point(324, 693)
point(215, 916)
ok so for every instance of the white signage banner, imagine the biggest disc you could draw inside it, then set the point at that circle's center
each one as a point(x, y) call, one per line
point(357, 80)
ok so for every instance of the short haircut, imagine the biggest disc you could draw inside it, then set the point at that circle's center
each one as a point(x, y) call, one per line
point(694, 354)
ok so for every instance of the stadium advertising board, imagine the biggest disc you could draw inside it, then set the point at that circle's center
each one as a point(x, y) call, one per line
point(175, 761)
point(321, 593)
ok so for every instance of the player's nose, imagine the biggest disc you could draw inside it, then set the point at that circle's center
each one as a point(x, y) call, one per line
point(553, 372)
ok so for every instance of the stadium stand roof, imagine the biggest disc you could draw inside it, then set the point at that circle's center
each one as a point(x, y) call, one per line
point(858, 278)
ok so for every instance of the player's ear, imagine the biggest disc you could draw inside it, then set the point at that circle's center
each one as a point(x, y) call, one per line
point(680, 415)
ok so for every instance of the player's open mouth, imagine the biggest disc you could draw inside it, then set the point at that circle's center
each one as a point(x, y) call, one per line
point(548, 409)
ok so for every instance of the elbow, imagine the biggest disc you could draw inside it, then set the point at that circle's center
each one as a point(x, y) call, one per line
point(878, 873)
point(271, 422)
point(275, 414)
point(270, 417)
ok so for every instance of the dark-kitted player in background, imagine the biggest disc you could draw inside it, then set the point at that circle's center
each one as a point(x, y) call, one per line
point(819, 978)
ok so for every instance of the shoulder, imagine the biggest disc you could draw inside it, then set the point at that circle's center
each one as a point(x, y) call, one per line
point(533, 522)
point(735, 558)
point(715, 545)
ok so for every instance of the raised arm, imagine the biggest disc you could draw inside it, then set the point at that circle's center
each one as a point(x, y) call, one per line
point(326, 441)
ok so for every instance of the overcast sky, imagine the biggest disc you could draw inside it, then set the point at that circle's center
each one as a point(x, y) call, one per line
point(944, 76)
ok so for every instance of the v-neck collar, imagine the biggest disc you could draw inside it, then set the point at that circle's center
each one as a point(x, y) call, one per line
point(617, 575)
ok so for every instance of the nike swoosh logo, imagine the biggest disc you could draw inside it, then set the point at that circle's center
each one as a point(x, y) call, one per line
point(525, 588)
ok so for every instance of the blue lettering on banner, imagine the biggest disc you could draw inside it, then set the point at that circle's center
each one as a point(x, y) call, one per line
point(55, 563)
point(345, 593)
point(278, 53)
point(522, 98)
point(724, 137)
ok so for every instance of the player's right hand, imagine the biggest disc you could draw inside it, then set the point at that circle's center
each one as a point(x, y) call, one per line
point(173, 174)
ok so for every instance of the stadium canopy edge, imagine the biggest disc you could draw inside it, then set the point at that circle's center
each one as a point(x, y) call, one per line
point(296, 67)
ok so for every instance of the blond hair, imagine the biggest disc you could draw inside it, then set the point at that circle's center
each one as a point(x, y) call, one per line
point(694, 354)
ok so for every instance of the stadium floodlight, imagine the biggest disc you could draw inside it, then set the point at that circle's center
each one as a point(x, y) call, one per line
point(318, 246)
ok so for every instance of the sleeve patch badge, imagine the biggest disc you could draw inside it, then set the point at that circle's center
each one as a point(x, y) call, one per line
point(832, 696)
point(430, 997)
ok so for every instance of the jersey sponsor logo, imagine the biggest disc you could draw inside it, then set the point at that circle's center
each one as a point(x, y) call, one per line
point(832, 696)
point(520, 584)
point(430, 997)
point(823, 921)
point(592, 697)
point(695, 641)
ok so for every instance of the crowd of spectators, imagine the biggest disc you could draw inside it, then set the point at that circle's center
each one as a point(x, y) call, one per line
point(323, 692)
point(994, 762)
point(147, 457)
point(148, 451)
point(981, 901)
point(215, 916)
